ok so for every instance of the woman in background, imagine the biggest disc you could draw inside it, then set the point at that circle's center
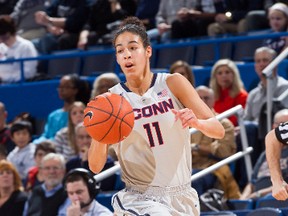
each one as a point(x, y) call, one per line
point(12, 198)
point(228, 87)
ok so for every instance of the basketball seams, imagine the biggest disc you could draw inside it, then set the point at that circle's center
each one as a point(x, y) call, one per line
point(116, 115)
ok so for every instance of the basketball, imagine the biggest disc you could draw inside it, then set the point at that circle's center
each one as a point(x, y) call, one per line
point(109, 118)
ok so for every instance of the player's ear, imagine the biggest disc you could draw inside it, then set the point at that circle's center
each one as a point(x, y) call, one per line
point(149, 51)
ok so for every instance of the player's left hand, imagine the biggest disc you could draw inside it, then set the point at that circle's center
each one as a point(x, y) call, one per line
point(187, 117)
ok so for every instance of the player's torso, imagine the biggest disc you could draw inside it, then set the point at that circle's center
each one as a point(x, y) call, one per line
point(157, 151)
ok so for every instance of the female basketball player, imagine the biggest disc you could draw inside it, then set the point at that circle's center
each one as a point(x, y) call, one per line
point(156, 157)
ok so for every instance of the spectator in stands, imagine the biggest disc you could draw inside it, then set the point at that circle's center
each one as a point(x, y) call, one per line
point(228, 88)
point(207, 151)
point(63, 20)
point(50, 195)
point(23, 15)
point(5, 139)
point(232, 20)
point(71, 88)
point(104, 17)
point(198, 19)
point(22, 155)
point(256, 101)
point(12, 198)
point(82, 189)
point(167, 13)
point(278, 21)
point(257, 97)
point(260, 184)
point(83, 141)
point(35, 174)
point(6, 6)
point(146, 12)
point(14, 47)
point(103, 82)
point(183, 68)
point(65, 140)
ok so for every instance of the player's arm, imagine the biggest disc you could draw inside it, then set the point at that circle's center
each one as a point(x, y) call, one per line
point(273, 154)
point(97, 156)
point(197, 114)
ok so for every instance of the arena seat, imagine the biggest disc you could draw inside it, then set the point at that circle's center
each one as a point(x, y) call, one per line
point(100, 62)
point(60, 66)
point(265, 212)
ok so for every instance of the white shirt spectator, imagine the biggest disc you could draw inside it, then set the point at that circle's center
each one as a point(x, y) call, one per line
point(22, 48)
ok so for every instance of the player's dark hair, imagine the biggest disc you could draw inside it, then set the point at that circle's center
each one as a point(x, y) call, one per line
point(21, 125)
point(135, 26)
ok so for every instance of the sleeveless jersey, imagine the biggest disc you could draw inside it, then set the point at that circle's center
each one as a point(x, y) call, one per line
point(157, 152)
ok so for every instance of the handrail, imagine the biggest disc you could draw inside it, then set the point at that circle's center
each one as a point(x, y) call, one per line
point(235, 110)
point(227, 160)
point(108, 172)
point(268, 73)
point(239, 111)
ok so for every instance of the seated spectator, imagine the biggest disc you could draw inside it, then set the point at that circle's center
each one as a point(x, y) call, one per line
point(207, 151)
point(183, 68)
point(232, 20)
point(14, 47)
point(83, 141)
point(12, 198)
point(63, 20)
point(168, 12)
point(104, 13)
point(71, 88)
point(5, 139)
point(256, 101)
point(50, 195)
point(23, 15)
point(103, 82)
point(278, 22)
point(226, 83)
point(257, 97)
point(260, 184)
point(22, 155)
point(65, 141)
point(35, 175)
point(81, 190)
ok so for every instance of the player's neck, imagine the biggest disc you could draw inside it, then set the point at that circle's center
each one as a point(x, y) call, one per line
point(140, 86)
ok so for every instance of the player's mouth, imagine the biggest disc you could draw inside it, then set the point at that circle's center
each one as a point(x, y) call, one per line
point(129, 65)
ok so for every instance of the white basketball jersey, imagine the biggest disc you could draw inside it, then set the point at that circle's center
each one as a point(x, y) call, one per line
point(157, 152)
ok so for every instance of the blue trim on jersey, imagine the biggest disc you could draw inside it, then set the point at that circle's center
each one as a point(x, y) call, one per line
point(152, 83)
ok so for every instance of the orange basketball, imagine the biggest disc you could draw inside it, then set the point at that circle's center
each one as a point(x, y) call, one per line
point(109, 118)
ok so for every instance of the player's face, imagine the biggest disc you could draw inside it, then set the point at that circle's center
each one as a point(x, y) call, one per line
point(78, 191)
point(132, 57)
point(224, 76)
